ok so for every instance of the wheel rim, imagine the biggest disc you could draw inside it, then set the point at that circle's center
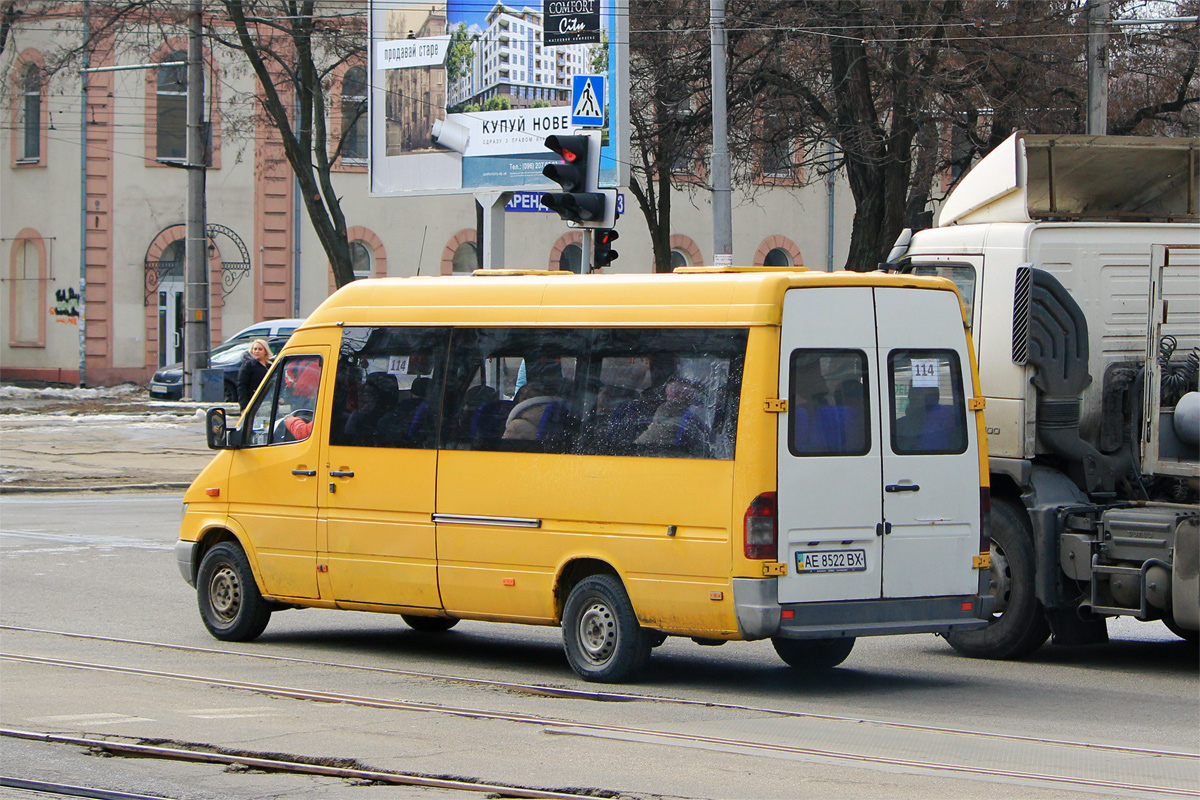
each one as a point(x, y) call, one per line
point(597, 633)
point(1001, 580)
point(224, 594)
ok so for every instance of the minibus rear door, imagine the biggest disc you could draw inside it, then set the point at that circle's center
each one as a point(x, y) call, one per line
point(830, 502)
point(930, 458)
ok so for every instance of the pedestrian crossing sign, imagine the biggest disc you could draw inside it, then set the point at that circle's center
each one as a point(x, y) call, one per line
point(587, 101)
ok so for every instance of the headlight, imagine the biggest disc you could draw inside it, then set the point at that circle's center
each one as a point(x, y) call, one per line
point(184, 514)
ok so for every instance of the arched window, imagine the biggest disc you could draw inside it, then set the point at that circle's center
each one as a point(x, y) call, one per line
point(360, 260)
point(172, 260)
point(466, 258)
point(679, 259)
point(354, 115)
point(571, 259)
point(778, 257)
point(31, 114)
point(171, 143)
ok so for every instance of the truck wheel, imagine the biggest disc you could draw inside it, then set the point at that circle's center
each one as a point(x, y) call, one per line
point(231, 606)
point(813, 654)
point(428, 624)
point(230, 392)
point(1183, 633)
point(1018, 624)
point(601, 634)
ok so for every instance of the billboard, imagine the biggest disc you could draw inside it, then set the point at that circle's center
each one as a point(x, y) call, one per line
point(463, 94)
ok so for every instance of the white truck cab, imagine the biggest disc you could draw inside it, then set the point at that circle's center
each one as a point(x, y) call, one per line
point(1078, 258)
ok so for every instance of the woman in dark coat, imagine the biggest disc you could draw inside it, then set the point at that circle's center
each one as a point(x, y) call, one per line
point(254, 368)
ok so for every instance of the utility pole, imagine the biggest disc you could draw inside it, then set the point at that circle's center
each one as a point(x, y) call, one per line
point(196, 334)
point(1099, 17)
point(721, 187)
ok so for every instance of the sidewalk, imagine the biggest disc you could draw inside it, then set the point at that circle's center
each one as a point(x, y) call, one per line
point(98, 439)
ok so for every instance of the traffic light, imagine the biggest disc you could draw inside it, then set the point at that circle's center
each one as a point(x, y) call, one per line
point(604, 254)
point(581, 202)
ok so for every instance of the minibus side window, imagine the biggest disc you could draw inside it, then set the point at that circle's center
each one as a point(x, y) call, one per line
point(647, 392)
point(828, 403)
point(928, 412)
point(514, 389)
point(286, 407)
point(387, 389)
point(664, 392)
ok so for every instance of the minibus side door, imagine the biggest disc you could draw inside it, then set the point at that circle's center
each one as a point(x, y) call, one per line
point(829, 456)
point(382, 467)
point(930, 458)
point(274, 476)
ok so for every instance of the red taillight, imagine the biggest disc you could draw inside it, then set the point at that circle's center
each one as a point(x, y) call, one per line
point(759, 530)
point(985, 519)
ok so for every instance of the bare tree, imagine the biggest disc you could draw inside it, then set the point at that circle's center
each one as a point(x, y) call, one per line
point(669, 107)
point(293, 47)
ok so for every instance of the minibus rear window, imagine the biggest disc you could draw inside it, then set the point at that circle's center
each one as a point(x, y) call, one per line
point(828, 403)
point(928, 412)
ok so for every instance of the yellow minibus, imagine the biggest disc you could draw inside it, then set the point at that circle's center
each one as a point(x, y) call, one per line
point(719, 453)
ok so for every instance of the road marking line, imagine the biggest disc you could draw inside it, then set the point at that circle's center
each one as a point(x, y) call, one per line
point(91, 719)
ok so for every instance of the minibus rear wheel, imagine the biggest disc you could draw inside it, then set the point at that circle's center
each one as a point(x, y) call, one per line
point(601, 634)
point(428, 624)
point(810, 654)
point(231, 606)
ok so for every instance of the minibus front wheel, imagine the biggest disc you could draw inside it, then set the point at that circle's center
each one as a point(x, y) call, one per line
point(601, 634)
point(231, 606)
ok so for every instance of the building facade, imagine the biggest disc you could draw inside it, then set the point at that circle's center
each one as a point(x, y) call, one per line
point(93, 210)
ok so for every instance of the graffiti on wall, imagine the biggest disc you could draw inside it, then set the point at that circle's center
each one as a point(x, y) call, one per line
point(66, 306)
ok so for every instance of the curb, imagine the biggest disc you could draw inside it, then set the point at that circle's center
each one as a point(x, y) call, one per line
point(78, 489)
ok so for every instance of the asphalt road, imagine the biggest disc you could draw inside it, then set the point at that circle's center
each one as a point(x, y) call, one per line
point(904, 717)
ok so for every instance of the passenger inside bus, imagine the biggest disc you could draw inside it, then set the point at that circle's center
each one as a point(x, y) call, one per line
point(377, 399)
point(676, 422)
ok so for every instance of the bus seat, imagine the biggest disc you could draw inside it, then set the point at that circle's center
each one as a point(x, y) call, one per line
point(838, 429)
point(551, 423)
point(801, 431)
point(489, 420)
point(941, 430)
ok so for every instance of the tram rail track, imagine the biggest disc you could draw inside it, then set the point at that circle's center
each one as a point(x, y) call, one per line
point(275, 764)
point(730, 743)
point(605, 696)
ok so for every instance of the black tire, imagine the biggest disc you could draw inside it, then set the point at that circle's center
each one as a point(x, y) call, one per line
point(601, 634)
point(1192, 637)
point(813, 654)
point(230, 392)
point(231, 606)
point(429, 624)
point(1018, 625)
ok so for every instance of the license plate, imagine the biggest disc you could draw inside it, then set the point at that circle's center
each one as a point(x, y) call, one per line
point(831, 561)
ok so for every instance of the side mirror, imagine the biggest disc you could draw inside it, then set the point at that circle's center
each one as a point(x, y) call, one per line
point(218, 434)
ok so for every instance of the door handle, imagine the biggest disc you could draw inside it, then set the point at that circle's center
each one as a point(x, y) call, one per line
point(902, 487)
point(883, 528)
point(307, 473)
point(338, 473)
